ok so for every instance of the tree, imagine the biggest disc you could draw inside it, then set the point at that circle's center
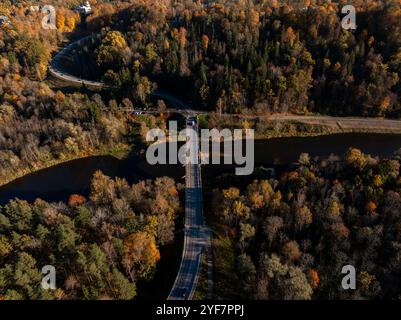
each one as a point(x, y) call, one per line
point(27, 276)
point(19, 214)
point(291, 252)
point(112, 79)
point(304, 159)
point(94, 266)
point(302, 218)
point(5, 247)
point(66, 237)
point(283, 282)
point(165, 229)
point(205, 42)
point(247, 232)
point(356, 159)
point(247, 271)
point(151, 54)
point(121, 287)
point(240, 210)
point(143, 89)
point(295, 286)
point(161, 106)
point(102, 189)
point(111, 50)
point(272, 226)
point(315, 280)
point(140, 255)
point(76, 200)
point(334, 210)
point(246, 267)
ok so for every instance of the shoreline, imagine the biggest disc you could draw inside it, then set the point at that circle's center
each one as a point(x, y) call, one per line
point(123, 151)
point(326, 132)
point(292, 126)
point(119, 153)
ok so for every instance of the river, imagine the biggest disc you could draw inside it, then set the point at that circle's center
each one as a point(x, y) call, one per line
point(58, 182)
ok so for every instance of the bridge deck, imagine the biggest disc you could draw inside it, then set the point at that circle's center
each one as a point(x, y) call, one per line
point(195, 238)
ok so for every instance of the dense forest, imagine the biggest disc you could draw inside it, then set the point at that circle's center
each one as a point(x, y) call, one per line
point(37, 124)
point(289, 238)
point(100, 246)
point(229, 56)
point(284, 238)
point(40, 126)
point(269, 56)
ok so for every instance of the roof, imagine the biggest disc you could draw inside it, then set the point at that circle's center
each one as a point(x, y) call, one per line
point(4, 20)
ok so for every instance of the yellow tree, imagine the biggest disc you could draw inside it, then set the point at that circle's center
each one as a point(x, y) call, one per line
point(111, 49)
point(356, 158)
point(140, 255)
point(205, 42)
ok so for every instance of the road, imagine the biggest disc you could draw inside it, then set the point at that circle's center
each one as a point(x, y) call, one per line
point(55, 66)
point(184, 112)
point(347, 124)
point(335, 124)
point(197, 236)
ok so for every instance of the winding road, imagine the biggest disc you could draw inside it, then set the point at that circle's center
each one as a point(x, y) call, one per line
point(56, 70)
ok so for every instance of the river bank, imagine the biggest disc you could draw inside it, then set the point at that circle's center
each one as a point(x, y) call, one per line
point(277, 133)
point(120, 151)
point(68, 176)
point(287, 125)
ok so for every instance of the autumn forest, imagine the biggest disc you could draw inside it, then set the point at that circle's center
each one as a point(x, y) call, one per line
point(281, 236)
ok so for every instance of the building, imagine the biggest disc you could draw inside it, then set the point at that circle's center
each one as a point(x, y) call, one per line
point(4, 21)
point(85, 8)
point(34, 9)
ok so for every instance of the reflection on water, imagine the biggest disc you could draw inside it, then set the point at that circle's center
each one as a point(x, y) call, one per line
point(287, 150)
point(59, 182)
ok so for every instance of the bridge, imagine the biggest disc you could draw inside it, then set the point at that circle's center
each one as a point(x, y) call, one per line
point(196, 235)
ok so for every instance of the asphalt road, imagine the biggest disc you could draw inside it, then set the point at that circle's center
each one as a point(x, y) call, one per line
point(196, 236)
point(56, 71)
